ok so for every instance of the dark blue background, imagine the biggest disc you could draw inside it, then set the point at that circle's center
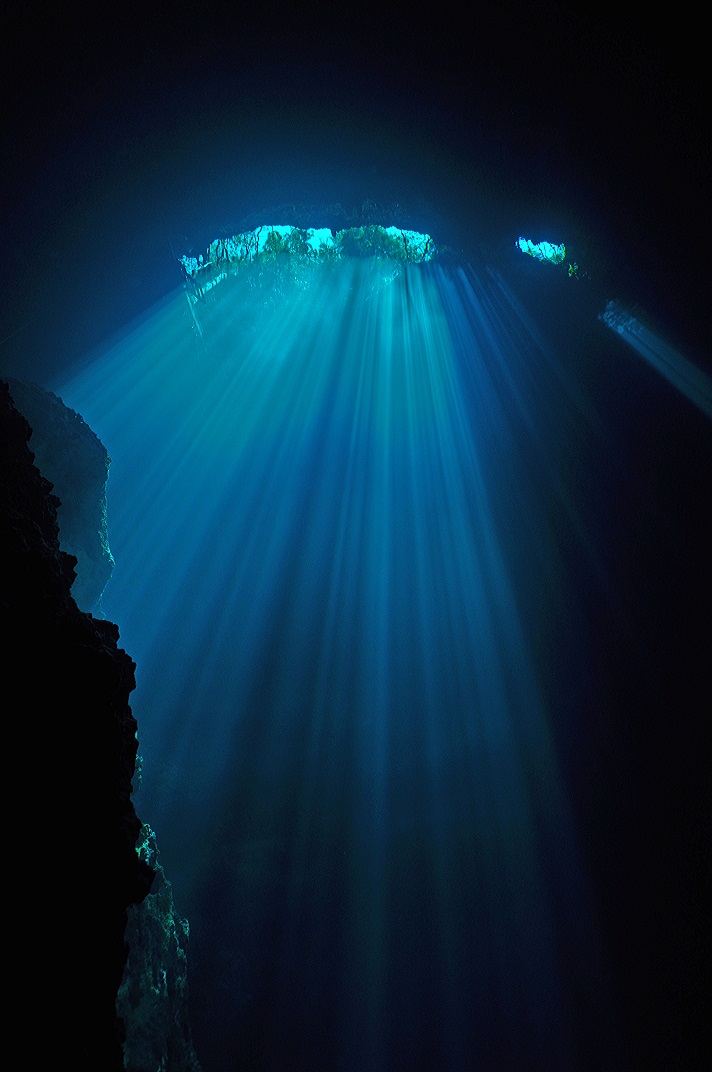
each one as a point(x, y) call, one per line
point(126, 135)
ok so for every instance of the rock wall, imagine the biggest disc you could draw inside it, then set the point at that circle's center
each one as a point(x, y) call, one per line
point(72, 869)
point(70, 455)
point(153, 998)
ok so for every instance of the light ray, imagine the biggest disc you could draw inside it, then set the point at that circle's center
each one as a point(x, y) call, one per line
point(313, 509)
point(684, 376)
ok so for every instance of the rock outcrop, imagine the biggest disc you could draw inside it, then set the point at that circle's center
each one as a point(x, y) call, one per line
point(72, 457)
point(72, 868)
point(153, 998)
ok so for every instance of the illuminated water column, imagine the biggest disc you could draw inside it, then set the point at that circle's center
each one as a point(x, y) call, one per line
point(314, 504)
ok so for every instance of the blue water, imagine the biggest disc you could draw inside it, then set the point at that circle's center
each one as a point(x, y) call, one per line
point(356, 566)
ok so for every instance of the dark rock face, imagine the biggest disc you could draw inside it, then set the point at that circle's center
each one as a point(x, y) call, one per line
point(153, 999)
point(74, 460)
point(70, 740)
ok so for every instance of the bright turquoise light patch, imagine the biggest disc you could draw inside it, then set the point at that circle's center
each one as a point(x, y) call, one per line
point(313, 244)
point(543, 251)
point(416, 246)
point(282, 257)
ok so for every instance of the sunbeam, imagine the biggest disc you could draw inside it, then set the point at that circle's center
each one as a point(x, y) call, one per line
point(323, 500)
point(684, 376)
